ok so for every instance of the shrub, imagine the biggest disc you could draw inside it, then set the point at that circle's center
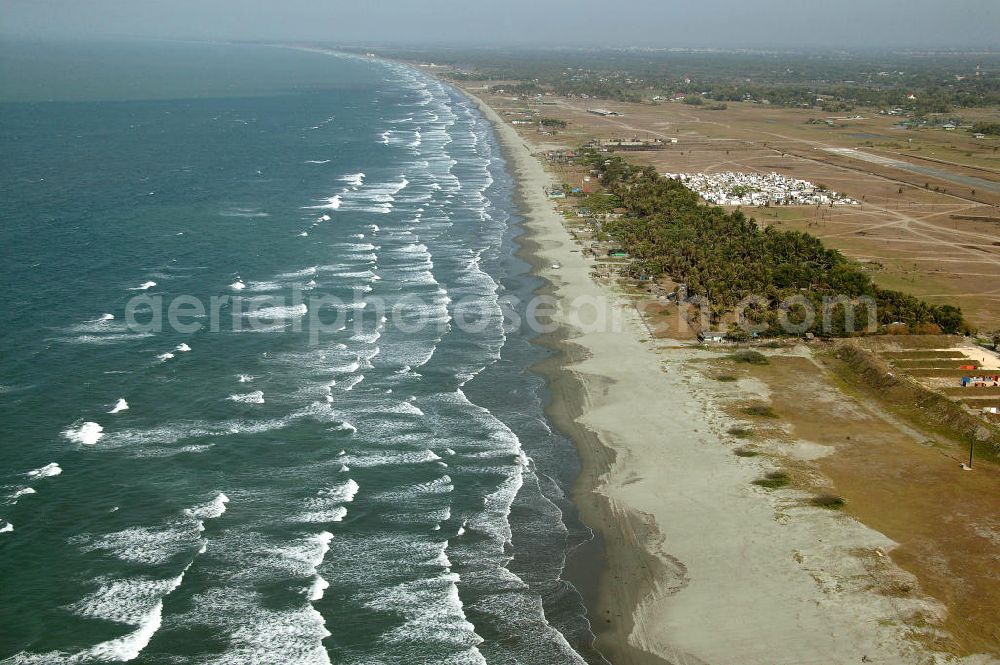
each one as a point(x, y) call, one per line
point(760, 411)
point(773, 480)
point(726, 378)
point(746, 452)
point(741, 432)
point(750, 357)
point(828, 501)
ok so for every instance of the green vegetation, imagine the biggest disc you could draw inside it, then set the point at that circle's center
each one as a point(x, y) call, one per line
point(750, 357)
point(726, 378)
point(988, 128)
point(600, 203)
point(726, 258)
point(834, 82)
point(774, 480)
point(517, 89)
point(828, 501)
point(553, 123)
point(741, 432)
point(746, 452)
point(760, 411)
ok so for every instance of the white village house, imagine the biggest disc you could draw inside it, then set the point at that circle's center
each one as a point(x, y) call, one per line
point(758, 189)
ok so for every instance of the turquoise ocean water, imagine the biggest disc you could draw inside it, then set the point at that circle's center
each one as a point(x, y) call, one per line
point(359, 473)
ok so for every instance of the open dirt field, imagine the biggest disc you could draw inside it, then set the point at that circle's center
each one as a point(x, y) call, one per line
point(894, 479)
point(929, 223)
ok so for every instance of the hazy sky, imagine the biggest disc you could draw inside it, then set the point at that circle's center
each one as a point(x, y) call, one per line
point(825, 23)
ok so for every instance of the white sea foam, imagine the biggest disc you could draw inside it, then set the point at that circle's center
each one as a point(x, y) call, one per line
point(6, 527)
point(238, 285)
point(256, 397)
point(210, 510)
point(170, 433)
point(107, 317)
point(345, 427)
point(87, 434)
point(297, 274)
point(354, 179)
point(407, 408)
point(359, 247)
point(433, 613)
point(47, 471)
point(352, 381)
point(135, 602)
point(391, 458)
point(343, 493)
point(145, 545)
point(255, 632)
point(164, 357)
point(321, 512)
point(278, 313)
point(349, 368)
point(22, 492)
point(319, 586)
point(367, 337)
point(317, 161)
point(120, 405)
point(246, 378)
point(182, 348)
point(331, 203)
point(104, 340)
point(248, 213)
point(264, 287)
point(145, 286)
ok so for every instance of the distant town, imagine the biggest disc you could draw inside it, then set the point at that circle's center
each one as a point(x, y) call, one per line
point(733, 188)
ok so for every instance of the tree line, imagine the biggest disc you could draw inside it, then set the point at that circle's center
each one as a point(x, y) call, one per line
point(726, 258)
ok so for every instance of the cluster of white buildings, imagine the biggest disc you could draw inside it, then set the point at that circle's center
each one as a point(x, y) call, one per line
point(757, 189)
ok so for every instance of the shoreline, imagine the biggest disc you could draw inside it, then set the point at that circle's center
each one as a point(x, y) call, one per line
point(589, 566)
point(699, 565)
point(612, 597)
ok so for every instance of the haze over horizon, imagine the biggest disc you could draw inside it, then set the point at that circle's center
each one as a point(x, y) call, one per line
point(849, 24)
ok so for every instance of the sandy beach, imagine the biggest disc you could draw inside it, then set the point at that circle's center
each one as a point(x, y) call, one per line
point(701, 566)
